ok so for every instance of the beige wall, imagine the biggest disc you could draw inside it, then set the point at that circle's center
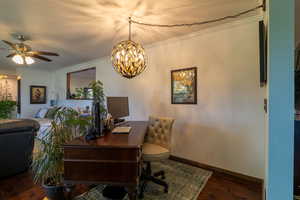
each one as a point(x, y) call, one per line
point(226, 128)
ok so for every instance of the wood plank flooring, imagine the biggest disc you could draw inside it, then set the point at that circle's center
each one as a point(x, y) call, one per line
point(219, 187)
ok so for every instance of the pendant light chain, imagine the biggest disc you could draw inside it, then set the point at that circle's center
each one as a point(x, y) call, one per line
point(130, 22)
point(129, 58)
point(197, 23)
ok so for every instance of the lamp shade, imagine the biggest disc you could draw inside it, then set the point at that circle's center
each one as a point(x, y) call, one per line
point(18, 59)
point(128, 58)
point(29, 60)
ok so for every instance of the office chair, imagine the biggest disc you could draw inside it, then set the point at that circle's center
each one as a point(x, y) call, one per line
point(156, 148)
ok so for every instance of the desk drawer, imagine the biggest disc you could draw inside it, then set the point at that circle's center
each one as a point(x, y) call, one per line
point(97, 172)
point(102, 154)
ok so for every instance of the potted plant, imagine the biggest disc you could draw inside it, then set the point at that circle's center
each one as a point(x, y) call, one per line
point(6, 108)
point(47, 164)
point(98, 108)
point(82, 93)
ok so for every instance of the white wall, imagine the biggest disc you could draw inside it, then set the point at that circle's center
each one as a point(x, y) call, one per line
point(33, 76)
point(226, 128)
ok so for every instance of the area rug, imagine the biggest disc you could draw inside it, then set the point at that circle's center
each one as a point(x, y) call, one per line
point(185, 183)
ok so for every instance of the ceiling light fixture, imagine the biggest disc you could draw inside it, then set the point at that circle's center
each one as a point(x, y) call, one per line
point(21, 53)
point(128, 57)
point(18, 59)
point(29, 60)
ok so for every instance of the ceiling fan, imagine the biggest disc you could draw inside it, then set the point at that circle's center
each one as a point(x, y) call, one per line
point(22, 53)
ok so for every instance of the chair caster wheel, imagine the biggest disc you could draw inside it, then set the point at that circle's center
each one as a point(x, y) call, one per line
point(163, 177)
point(166, 190)
point(141, 196)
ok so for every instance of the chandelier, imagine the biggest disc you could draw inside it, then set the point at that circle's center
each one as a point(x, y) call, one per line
point(128, 57)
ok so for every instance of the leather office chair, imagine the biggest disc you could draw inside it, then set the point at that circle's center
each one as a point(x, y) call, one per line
point(156, 148)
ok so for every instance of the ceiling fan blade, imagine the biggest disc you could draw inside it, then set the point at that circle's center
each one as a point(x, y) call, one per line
point(9, 43)
point(41, 57)
point(44, 53)
point(10, 55)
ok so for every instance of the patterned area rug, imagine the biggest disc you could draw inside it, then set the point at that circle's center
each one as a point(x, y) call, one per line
point(185, 183)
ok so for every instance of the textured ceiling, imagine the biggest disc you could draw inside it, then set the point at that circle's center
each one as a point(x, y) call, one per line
point(81, 30)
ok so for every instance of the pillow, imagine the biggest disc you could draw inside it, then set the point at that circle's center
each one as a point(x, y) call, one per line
point(41, 113)
point(37, 114)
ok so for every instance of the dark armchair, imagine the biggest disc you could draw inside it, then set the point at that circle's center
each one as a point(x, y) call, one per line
point(16, 145)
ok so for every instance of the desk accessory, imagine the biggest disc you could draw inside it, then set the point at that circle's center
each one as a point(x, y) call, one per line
point(121, 130)
point(108, 123)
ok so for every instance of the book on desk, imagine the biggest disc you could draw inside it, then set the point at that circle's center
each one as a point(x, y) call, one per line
point(121, 130)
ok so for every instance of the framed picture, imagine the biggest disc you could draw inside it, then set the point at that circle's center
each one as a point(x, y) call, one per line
point(38, 94)
point(184, 86)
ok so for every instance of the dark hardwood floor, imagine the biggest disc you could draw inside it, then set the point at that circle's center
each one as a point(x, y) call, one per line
point(226, 187)
point(219, 187)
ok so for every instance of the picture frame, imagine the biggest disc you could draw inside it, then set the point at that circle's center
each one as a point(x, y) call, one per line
point(184, 86)
point(38, 94)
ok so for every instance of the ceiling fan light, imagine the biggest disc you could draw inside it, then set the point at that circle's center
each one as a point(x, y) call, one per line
point(29, 60)
point(18, 59)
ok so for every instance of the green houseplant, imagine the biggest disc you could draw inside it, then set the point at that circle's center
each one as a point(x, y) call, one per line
point(6, 108)
point(97, 94)
point(47, 165)
point(98, 108)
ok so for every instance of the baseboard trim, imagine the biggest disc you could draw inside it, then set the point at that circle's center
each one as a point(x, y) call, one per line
point(216, 169)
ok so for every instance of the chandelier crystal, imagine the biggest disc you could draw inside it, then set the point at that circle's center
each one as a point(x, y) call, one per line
point(128, 57)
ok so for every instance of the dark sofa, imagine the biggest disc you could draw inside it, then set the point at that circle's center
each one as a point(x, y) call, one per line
point(16, 145)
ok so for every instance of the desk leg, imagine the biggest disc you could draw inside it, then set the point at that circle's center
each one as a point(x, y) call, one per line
point(132, 192)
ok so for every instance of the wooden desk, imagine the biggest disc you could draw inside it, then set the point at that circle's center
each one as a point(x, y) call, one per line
point(112, 159)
